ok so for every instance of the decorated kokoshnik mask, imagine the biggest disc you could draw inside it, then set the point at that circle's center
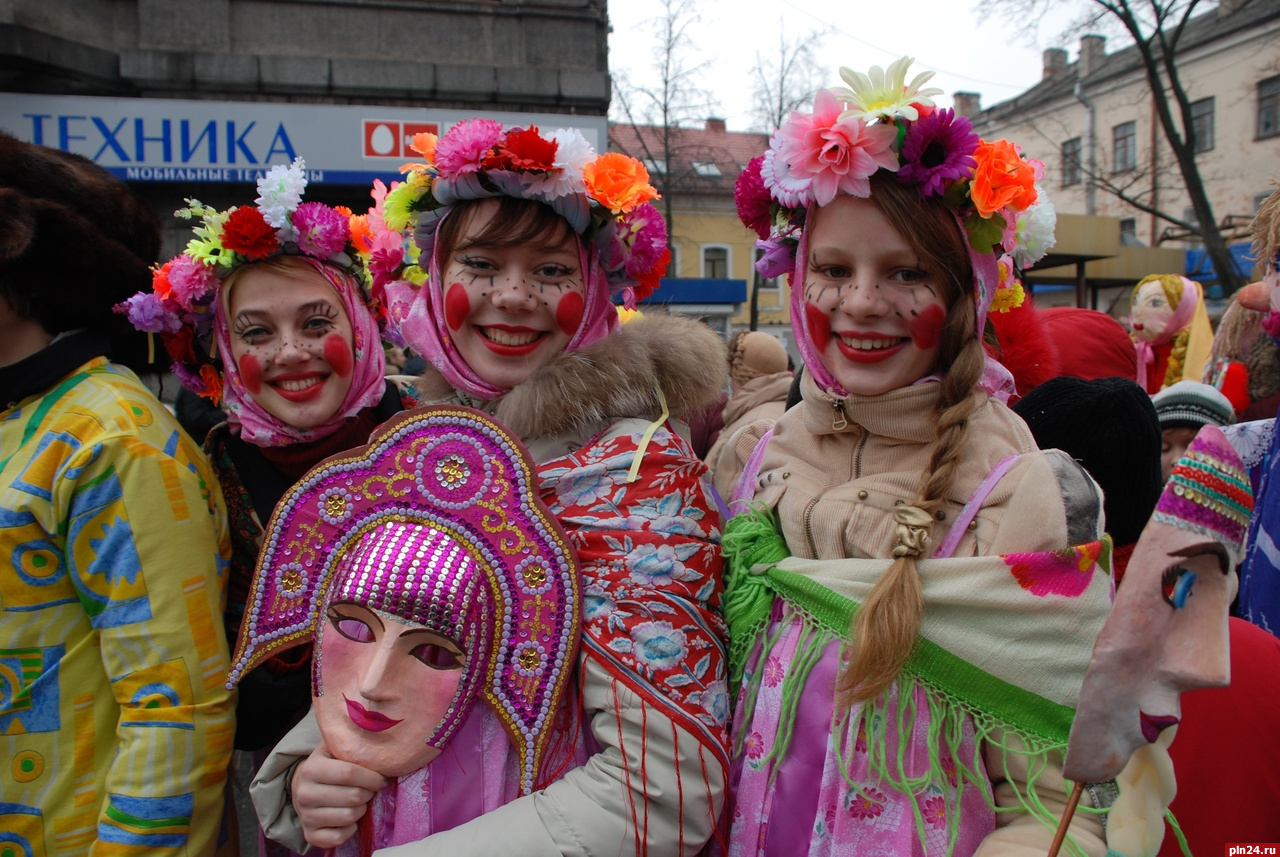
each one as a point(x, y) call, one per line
point(429, 573)
point(1167, 632)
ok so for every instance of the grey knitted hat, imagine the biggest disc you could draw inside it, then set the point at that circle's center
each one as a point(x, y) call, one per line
point(1192, 404)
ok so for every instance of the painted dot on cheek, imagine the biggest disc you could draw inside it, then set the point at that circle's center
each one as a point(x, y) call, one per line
point(457, 306)
point(819, 326)
point(927, 327)
point(338, 354)
point(251, 373)
point(569, 312)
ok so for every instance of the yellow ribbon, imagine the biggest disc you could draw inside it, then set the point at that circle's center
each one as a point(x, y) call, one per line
point(648, 434)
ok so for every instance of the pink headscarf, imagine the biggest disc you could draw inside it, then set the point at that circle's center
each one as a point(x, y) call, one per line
point(419, 314)
point(996, 379)
point(254, 425)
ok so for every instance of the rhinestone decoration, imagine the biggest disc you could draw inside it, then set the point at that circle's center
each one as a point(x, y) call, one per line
point(1209, 492)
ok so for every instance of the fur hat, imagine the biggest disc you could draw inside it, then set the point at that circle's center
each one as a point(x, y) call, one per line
point(1109, 425)
point(753, 354)
point(74, 241)
point(1192, 404)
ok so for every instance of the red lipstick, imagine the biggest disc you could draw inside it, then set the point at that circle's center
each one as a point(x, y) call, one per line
point(306, 394)
point(370, 721)
point(874, 355)
point(505, 350)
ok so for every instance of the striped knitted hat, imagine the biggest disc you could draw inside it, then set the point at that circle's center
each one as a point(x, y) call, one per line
point(1209, 492)
point(1192, 404)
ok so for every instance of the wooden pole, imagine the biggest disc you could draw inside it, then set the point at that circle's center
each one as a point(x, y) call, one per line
point(1072, 802)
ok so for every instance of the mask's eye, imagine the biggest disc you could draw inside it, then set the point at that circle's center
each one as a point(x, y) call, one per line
point(437, 657)
point(1176, 586)
point(351, 628)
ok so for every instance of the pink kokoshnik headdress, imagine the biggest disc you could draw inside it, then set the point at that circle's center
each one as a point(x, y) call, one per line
point(604, 198)
point(880, 122)
point(436, 521)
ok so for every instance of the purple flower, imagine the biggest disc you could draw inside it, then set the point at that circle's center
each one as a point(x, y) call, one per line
point(464, 148)
point(648, 238)
point(146, 312)
point(190, 280)
point(322, 232)
point(779, 257)
point(191, 380)
point(939, 148)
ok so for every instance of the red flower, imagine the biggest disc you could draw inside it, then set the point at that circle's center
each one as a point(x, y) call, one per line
point(525, 149)
point(248, 233)
point(180, 345)
point(752, 198)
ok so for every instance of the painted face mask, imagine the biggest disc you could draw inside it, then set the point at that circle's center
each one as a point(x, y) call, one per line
point(431, 575)
point(1167, 632)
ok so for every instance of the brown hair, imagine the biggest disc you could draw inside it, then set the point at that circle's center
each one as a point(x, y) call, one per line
point(887, 626)
point(516, 222)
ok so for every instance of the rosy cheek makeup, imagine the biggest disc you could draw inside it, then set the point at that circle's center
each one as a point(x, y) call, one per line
point(338, 354)
point(819, 326)
point(926, 328)
point(251, 373)
point(457, 306)
point(569, 312)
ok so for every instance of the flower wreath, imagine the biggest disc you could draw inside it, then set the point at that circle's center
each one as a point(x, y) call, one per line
point(179, 306)
point(880, 122)
point(605, 198)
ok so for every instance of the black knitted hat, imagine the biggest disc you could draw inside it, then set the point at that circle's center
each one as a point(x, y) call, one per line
point(1109, 425)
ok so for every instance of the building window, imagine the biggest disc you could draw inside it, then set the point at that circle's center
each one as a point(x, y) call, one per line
point(1269, 107)
point(767, 284)
point(1202, 125)
point(715, 262)
point(656, 166)
point(706, 169)
point(1124, 146)
point(1129, 232)
point(1071, 162)
point(673, 269)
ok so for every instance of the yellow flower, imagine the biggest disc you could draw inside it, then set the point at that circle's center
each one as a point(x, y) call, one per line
point(395, 208)
point(625, 315)
point(1008, 298)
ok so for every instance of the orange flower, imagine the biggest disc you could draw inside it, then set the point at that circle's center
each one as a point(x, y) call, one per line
point(361, 234)
point(424, 144)
point(618, 182)
point(1002, 179)
point(160, 280)
point(212, 382)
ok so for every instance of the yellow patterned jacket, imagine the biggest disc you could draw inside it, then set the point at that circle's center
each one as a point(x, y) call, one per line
point(115, 726)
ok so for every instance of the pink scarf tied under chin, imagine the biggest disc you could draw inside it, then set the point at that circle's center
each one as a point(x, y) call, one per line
point(1181, 317)
point(419, 314)
point(995, 379)
point(254, 425)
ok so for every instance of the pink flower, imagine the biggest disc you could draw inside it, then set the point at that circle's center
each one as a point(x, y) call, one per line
point(773, 672)
point(189, 280)
point(934, 811)
point(833, 155)
point(869, 804)
point(465, 147)
point(648, 238)
point(322, 232)
point(779, 257)
point(754, 746)
point(752, 198)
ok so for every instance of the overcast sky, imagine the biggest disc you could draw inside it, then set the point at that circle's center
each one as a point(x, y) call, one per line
point(993, 57)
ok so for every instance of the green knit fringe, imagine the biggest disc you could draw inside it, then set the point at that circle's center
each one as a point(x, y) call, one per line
point(753, 545)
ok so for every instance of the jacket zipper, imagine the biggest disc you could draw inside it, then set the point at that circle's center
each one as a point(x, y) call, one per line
point(838, 420)
point(808, 527)
point(857, 455)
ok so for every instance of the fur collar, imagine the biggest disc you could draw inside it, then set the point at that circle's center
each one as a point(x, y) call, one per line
point(612, 379)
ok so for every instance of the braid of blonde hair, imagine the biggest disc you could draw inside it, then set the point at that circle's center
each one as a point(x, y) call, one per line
point(887, 626)
point(1177, 357)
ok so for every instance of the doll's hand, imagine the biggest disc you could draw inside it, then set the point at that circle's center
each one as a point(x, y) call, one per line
point(331, 795)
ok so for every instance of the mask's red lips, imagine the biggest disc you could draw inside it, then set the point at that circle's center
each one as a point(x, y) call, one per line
point(1153, 725)
point(370, 721)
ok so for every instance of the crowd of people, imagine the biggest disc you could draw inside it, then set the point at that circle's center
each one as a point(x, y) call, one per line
point(461, 553)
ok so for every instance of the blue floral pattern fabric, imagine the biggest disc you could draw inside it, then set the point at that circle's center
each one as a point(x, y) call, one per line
point(650, 557)
point(1259, 601)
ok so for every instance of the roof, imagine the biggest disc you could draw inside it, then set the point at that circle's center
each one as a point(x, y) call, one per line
point(1201, 30)
point(712, 146)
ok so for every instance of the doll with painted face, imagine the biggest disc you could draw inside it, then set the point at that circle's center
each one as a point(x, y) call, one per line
point(1167, 634)
point(431, 577)
point(1170, 330)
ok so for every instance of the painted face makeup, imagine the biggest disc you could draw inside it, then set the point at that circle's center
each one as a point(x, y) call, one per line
point(511, 309)
point(1151, 312)
point(387, 685)
point(873, 312)
point(293, 344)
point(1167, 634)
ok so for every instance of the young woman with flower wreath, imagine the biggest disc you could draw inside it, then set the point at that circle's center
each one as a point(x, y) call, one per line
point(268, 314)
point(524, 241)
point(913, 589)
